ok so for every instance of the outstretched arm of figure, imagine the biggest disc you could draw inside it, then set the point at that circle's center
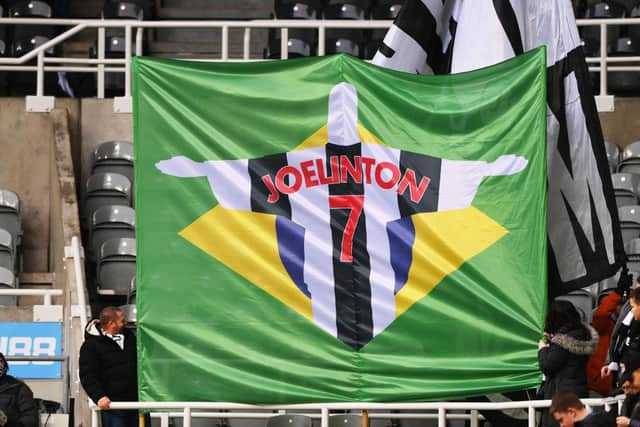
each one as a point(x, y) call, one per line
point(229, 179)
point(460, 179)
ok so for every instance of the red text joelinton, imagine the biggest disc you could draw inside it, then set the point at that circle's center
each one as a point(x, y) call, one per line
point(312, 173)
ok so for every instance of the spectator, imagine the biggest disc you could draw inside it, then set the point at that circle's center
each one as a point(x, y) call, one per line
point(563, 359)
point(604, 321)
point(630, 411)
point(569, 411)
point(108, 366)
point(17, 406)
point(625, 346)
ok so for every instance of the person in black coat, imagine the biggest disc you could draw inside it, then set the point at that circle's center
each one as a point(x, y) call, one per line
point(17, 407)
point(108, 366)
point(563, 358)
point(630, 410)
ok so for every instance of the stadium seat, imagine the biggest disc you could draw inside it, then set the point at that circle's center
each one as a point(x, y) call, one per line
point(7, 281)
point(127, 9)
point(625, 188)
point(116, 266)
point(632, 249)
point(114, 157)
point(10, 219)
point(605, 9)
point(346, 9)
point(386, 9)
point(629, 222)
point(345, 420)
point(624, 82)
point(289, 420)
point(24, 39)
point(7, 251)
point(302, 9)
point(111, 222)
point(613, 155)
point(633, 31)
point(374, 41)
point(345, 41)
point(122, 10)
point(630, 158)
point(30, 9)
point(301, 42)
point(583, 302)
point(106, 189)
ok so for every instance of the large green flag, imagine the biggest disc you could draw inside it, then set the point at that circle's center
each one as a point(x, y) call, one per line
point(325, 230)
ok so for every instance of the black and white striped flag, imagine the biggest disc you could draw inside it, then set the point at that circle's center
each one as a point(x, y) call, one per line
point(451, 36)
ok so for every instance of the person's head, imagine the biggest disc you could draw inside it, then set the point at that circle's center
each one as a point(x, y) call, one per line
point(4, 366)
point(634, 300)
point(560, 314)
point(566, 408)
point(112, 320)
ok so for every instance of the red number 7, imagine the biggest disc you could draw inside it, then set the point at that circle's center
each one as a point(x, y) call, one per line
point(355, 205)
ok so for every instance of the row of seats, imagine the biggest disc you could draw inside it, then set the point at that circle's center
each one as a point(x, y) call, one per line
point(109, 217)
point(10, 243)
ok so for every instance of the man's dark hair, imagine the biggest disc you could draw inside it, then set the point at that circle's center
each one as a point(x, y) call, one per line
point(635, 295)
point(3, 361)
point(109, 314)
point(563, 400)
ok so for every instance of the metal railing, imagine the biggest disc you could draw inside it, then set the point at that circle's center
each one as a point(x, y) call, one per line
point(102, 65)
point(440, 410)
point(45, 293)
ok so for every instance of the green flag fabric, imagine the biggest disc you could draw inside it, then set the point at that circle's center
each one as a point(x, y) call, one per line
point(325, 230)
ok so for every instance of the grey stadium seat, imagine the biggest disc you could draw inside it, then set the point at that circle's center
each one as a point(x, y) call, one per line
point(630, 158)
point(632, 249)
point(625, 188)
point(345, 420)
point(114, 157)
point(289, 420)
point(111, 222)
point(7, 281)
point(10, 218)
point(106, 189)
point(583, 302)
point(613, 155)
point(629, 222)
point(7, 250)
point(116, 266)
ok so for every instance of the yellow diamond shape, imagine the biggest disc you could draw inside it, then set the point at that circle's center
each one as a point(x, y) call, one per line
point(443, 242)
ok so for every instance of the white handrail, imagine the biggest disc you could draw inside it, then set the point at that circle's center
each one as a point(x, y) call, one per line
point(441, 408)
point(320, 25)
point(77, 255)
point(46, 293)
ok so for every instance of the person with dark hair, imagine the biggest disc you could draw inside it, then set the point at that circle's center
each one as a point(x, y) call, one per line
point(108, 366)
point(17, 407)
point(625, 342)
point(567, 409)
point(563, 359)
point(630, 410)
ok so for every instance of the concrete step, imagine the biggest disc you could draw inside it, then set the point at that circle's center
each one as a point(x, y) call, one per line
point(223, 9)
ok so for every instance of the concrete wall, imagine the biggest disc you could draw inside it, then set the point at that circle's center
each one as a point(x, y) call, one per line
point(25, 151)
point(622, 126)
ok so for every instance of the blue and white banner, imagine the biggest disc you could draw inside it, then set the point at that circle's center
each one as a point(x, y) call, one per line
point(32, 339)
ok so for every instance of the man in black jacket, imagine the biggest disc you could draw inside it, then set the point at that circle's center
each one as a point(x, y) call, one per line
point(108, 366)
point(17, 407)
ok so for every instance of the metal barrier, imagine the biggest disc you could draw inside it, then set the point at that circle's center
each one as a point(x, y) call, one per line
point(101, 65)
point(321, 410)
point(45, 293)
